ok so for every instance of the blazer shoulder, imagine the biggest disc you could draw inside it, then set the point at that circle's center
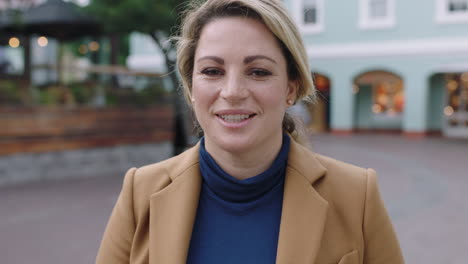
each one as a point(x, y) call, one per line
point(342, 171)
point(344, 184)
point(152, 178)
point(143, 182)
point(318, 168)
point(156, 176)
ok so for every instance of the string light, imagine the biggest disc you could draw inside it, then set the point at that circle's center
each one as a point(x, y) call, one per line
point(93, 46)
point(448, 110)
point(42, 41)
point(376, 108)
point(355, 89)
point(14, 42)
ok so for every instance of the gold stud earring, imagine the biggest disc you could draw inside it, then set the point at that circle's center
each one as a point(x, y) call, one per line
point(289, 102)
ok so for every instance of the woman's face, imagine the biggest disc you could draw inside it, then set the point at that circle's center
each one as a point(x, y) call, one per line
point(240, 85)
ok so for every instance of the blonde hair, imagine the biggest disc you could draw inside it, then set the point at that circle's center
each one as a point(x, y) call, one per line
point(273, 14)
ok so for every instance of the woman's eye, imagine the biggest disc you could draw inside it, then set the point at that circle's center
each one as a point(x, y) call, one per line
point(259, 72)
point(211, 72)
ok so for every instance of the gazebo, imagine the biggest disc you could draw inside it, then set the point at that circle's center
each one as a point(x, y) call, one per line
point(57, 19)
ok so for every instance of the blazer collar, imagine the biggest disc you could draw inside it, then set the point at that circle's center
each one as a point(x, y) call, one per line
point(304, 210)
point(173, 210)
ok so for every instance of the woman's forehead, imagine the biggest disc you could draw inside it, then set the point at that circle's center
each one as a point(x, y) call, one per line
point(237, 35)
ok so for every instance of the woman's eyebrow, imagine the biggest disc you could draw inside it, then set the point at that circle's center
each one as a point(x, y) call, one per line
point(249, 59)
point(213, 58)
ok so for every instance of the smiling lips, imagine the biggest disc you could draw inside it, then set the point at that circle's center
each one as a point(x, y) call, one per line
point(234, 117)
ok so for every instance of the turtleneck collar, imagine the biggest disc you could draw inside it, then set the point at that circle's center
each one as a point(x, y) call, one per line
point(231, 189)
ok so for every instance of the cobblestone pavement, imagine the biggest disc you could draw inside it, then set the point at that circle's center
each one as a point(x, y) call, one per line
point(424, 184)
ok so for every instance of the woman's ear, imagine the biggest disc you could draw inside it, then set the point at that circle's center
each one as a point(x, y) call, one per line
point(293, 87)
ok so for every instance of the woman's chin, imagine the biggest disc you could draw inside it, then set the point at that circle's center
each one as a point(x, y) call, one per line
point(230, 144)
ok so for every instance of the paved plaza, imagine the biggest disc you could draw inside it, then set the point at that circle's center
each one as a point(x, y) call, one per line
point(424, 183)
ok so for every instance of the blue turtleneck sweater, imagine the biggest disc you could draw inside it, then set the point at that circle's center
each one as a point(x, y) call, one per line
point(238, 220)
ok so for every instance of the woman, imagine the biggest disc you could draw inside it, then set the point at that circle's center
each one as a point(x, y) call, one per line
point(248, 192)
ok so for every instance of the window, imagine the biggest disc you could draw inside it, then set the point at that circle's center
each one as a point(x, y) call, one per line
point(310, 12)
point(451, 11)
point(388, 98)
point(456, 109)
point(456, 6)
point(378, 9)
point(376, 14)
point(309, 15)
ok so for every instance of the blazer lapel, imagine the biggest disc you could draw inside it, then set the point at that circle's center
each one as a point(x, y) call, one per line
point(172, 214)
point(304, 210)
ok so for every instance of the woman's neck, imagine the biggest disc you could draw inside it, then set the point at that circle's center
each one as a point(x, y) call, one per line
point(245, 164)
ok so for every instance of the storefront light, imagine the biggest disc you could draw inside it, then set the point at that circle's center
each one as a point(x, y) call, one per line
point(382, 99)
point(355, 89)
point(14, 42)
point(42, 41)
point(464, 77)
point(452, 85)
point(448, 110)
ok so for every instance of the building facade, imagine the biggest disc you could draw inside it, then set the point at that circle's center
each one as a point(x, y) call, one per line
point(383, 65)
point(379, 65)
point(388, 64)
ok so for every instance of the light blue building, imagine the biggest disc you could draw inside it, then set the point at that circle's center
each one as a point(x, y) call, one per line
point(380, 65)
point(388, 64)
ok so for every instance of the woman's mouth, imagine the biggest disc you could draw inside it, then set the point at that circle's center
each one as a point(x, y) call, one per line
point(235, 118)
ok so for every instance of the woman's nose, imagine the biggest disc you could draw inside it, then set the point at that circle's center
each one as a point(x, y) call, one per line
point(234, 89)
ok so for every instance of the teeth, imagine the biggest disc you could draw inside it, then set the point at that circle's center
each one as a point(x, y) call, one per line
point(234, 118)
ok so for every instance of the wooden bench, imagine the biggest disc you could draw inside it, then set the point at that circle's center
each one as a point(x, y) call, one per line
point(41, 129)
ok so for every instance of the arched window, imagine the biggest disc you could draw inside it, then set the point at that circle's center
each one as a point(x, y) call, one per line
point(456, 109)
point(386, 92)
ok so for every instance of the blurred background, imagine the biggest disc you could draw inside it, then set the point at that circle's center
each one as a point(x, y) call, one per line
point(88, 89)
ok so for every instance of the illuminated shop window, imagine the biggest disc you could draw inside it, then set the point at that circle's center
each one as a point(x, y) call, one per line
point(456, 109)
point(388, 98)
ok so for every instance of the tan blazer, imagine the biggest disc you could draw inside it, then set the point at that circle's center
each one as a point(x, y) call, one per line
point(332, 214)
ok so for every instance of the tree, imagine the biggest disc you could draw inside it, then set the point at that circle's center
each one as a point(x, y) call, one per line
point(158, 19)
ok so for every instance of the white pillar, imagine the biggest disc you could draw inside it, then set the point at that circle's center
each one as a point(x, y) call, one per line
point(342, 103)
point(416, 103)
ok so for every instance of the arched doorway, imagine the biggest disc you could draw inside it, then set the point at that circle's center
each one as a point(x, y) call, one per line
point(320, 111)
point(455, 120)
point(379, 101)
